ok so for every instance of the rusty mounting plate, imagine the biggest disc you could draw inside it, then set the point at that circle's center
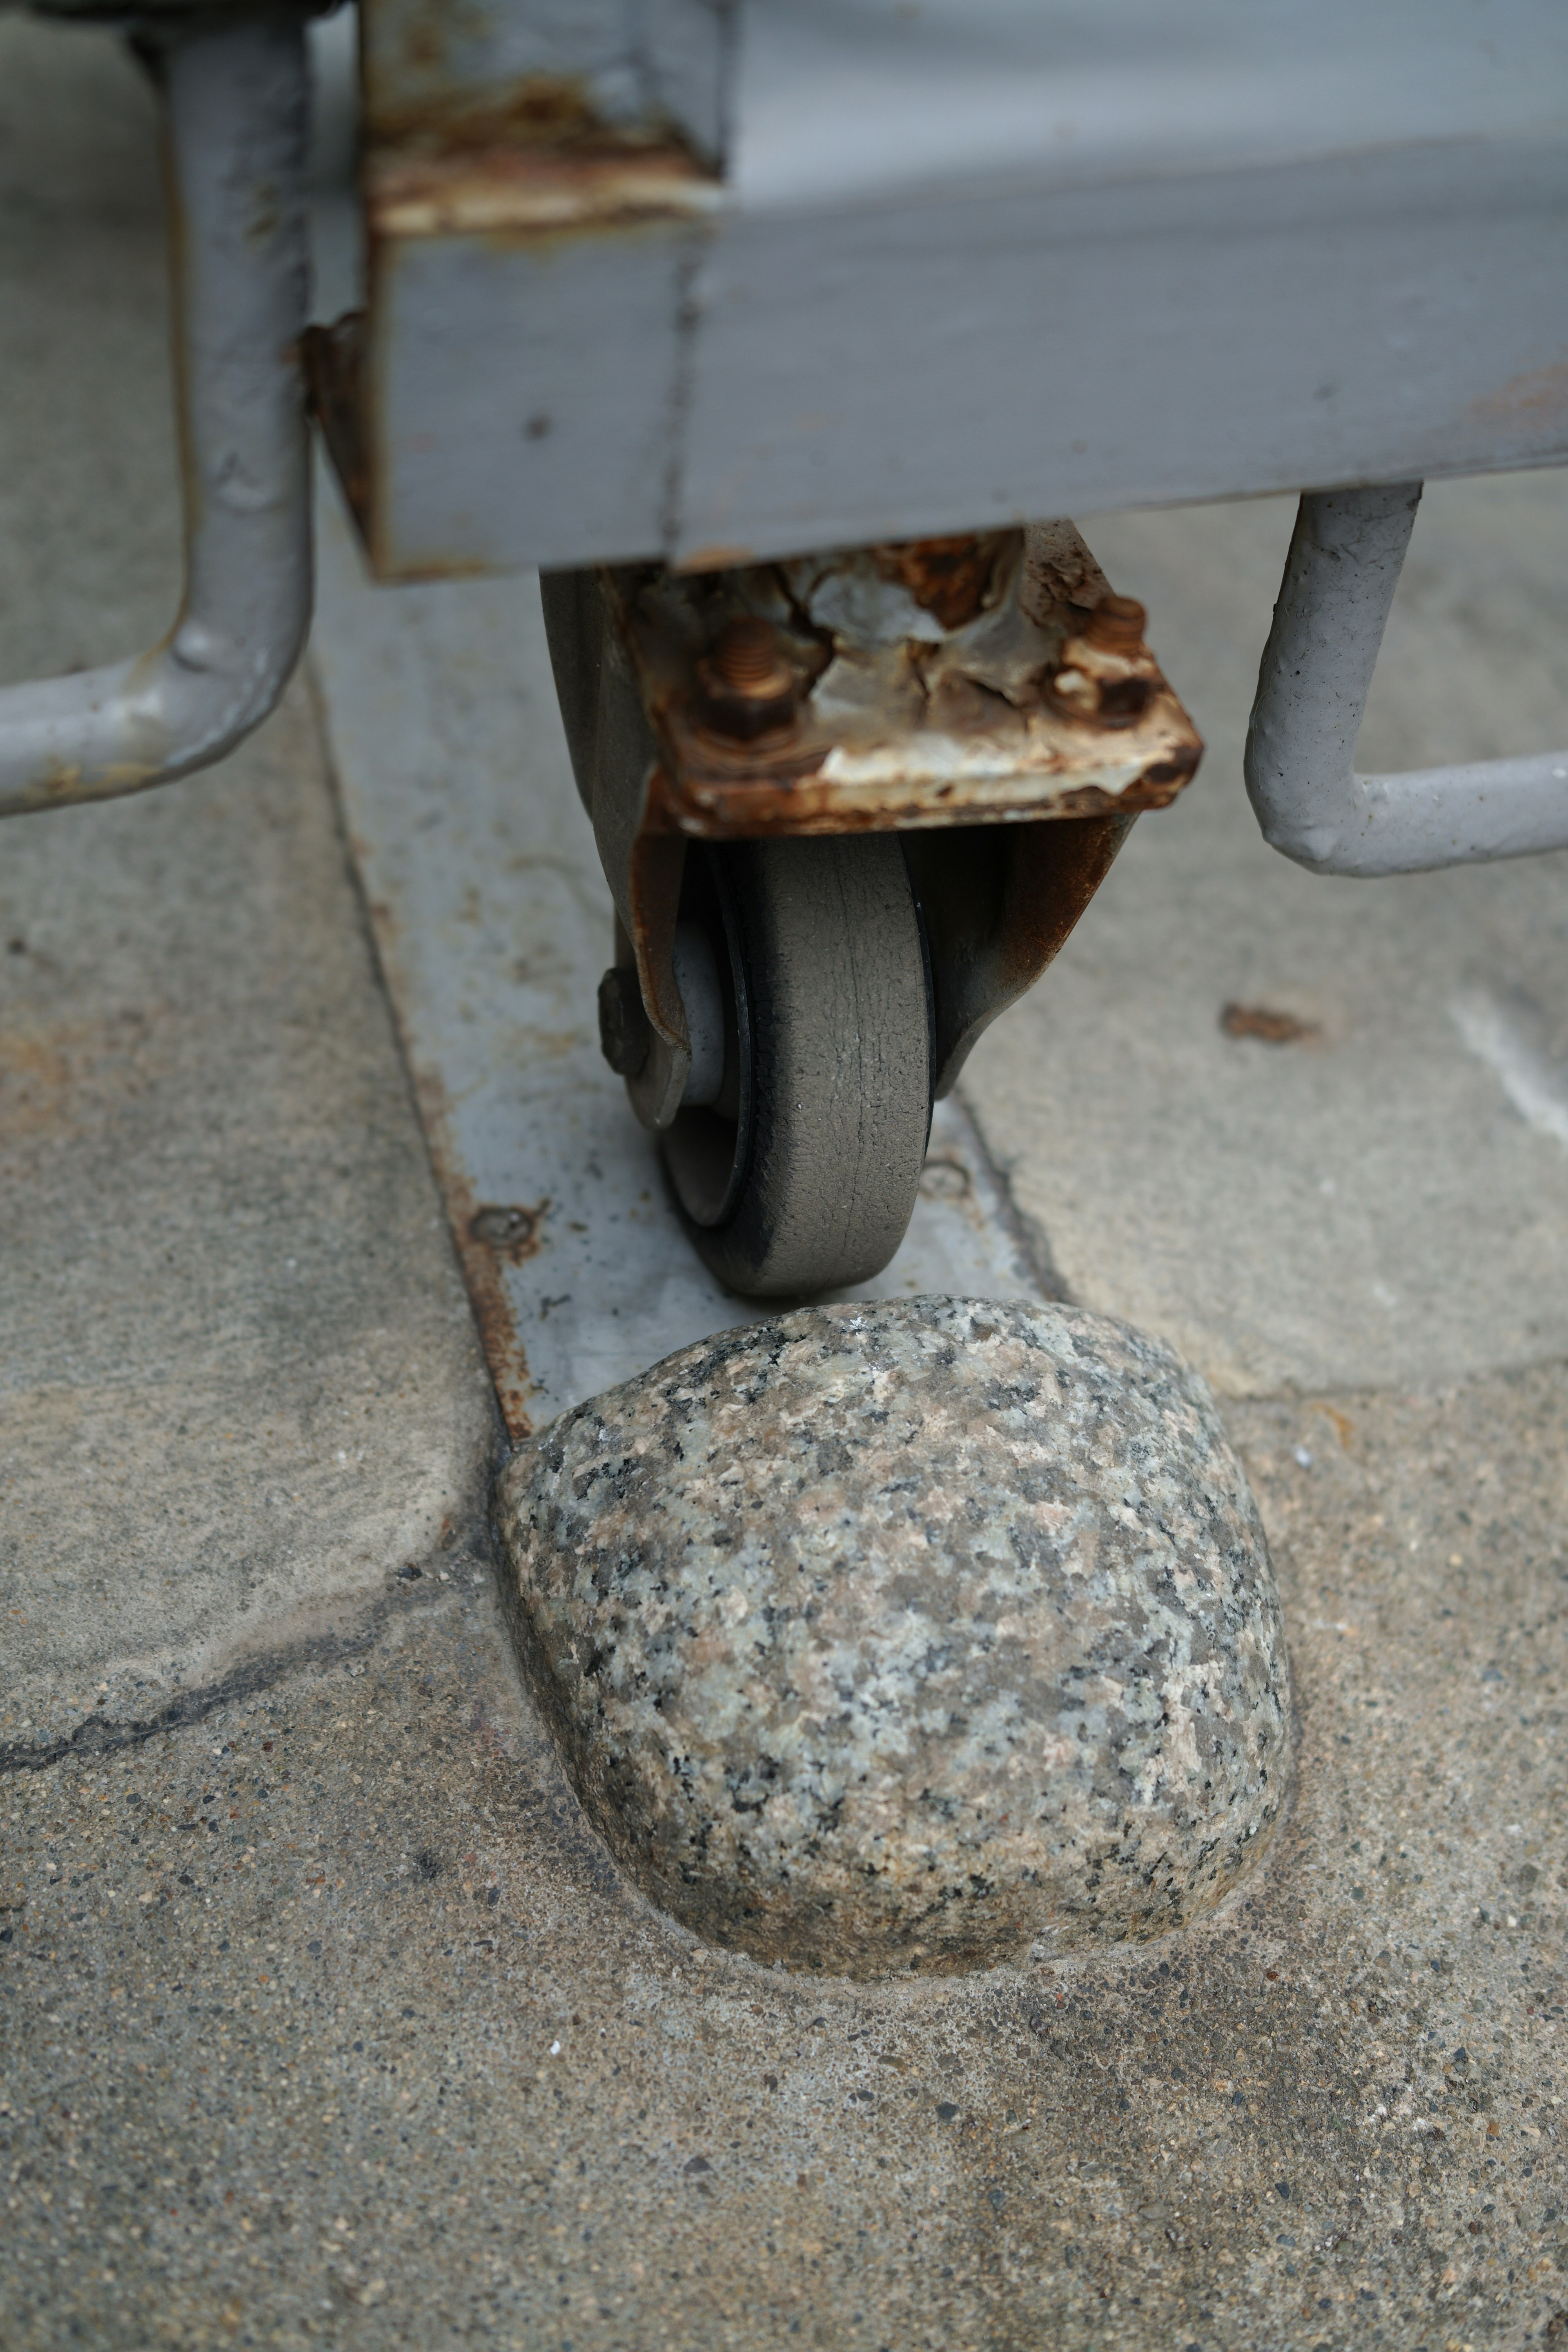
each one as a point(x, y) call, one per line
point(952, 681)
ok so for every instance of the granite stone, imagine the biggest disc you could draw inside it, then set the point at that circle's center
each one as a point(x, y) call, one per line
point(911, 1634)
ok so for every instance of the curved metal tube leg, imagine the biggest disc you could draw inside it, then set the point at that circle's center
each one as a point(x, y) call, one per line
point(1339, 577)
point(237, 108)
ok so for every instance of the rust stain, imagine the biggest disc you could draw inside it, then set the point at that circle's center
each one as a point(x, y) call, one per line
point(514, 1232)
point(656, 868)
point(479, 1258)
point(1054, 872)
point(949, 578)
point(999, 906)
point(657, 864)
point(1535, 399)
point(1269, 1027)
point(544, 108)
point(49, 1071)
point(1344, 1427)
point(534, 191)
point(1040, 698)
point(756, 810)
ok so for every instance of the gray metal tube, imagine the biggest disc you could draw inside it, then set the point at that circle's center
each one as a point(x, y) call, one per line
point(238, 120)
point(1340, 576)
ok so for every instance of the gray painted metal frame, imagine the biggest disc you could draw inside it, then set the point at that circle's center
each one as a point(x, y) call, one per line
point(990, 262)
point(237, 114)
point(1341, 573)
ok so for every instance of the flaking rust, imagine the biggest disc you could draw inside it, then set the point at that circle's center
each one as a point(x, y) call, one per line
point(983, 678)
point(481, 1248)
point(530, 172)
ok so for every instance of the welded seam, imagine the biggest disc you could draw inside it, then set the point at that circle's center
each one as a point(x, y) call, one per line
point(672, 491)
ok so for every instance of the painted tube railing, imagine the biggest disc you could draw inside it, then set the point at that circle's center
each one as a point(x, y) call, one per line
point(1340, 576)
point(237, 124)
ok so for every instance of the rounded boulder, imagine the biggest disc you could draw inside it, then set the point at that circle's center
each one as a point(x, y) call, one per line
point(907, 1635)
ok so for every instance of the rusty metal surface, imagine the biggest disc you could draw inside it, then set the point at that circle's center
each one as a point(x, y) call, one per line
point(493, 925)
point(503, 285)
point(999, 904)
point(332, 359)
point(614, 760)
point(551, 176)
point(991, 687)
point(1257, 255)
point(431, 69)
point(533, 191)
point(962, 680)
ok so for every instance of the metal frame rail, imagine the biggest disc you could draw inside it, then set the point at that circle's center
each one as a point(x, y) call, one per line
point(236, 90)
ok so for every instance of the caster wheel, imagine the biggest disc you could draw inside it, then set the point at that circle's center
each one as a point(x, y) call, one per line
point(797, 1150)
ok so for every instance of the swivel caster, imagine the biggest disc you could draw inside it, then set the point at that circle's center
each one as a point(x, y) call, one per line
point(797, 1148)
point(849, 806)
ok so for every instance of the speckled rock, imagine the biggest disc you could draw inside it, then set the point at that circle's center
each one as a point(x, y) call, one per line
point(907, 1635)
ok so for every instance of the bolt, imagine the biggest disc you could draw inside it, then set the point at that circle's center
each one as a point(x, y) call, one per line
point(745, 683)
point(746, 656)
point(504, 1228)
point(1117, 624)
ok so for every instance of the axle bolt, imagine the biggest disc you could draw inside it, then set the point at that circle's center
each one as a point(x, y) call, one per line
point(745, 683)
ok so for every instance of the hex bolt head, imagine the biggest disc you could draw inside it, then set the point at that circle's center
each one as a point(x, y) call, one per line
point(626, 1034)
point(745, 683)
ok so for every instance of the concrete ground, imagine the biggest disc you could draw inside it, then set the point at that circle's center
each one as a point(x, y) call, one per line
point(323, 2019)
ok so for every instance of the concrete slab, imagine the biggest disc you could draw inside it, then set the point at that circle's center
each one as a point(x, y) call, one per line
point(238, 1381)
point(325, 2020)
point(1367, 1204)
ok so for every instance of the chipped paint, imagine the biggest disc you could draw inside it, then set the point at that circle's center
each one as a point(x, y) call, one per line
point(940, 682)
point(525, 190)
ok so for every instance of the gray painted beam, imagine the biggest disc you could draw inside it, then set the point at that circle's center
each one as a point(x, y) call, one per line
point(997, 261)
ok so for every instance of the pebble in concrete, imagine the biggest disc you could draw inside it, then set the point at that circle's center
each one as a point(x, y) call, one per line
point(907, 1635)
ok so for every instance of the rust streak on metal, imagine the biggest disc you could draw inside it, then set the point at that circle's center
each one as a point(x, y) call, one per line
point(1536, 400)
point(755, 811)
point(542, 108)
point(514, 1232)
point(999, 905)
point(1027, 694)
point(535, 191)
point(1054, 874)
point(949, 578)
point(478, 1259)
point(657, 864)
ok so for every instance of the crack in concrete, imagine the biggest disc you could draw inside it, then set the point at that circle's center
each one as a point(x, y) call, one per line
point(101, 1735)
